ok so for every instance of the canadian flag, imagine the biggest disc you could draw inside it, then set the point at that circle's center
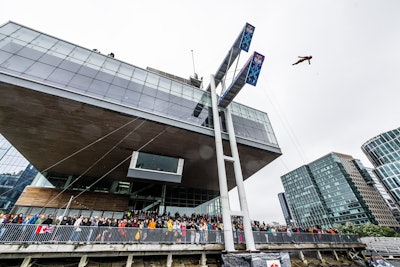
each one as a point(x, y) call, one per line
point(42, 229)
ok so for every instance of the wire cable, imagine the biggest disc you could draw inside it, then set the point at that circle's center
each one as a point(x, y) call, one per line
point(97, 161)
point(75, 153)
point(287, 127)
point(119, 164)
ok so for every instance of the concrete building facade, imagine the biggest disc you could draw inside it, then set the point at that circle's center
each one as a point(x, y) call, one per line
point(335, 189)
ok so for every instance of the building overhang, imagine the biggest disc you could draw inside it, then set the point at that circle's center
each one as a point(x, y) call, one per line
point(67, 133)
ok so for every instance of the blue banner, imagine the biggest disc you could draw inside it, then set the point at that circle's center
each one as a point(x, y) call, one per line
point(246, 37)
point(255, 68)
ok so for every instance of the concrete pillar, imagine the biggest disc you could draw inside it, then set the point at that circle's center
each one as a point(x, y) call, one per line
point(203, 260)
point(26, 262)
point(248, 232)
point(68, 182)
point(223, 184)
point(83, 262)
point(129, 261)
point(169, 260)
point(335, 255)
point(319, 256)
point(114, 186)
point(302, 258)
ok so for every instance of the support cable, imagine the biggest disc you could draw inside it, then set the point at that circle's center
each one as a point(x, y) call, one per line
point(119, 164)
point(97, 161)
point(287, 127)
point(89, 145)
point(75, 153)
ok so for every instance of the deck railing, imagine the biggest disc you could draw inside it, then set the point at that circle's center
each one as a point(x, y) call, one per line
point(30, 234)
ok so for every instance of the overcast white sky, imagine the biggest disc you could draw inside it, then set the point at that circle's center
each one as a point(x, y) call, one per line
point(349, 94)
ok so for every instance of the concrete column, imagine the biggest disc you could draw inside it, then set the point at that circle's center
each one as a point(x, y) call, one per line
point(248, 232)
point(203, 260)
point(169, 260)
point(223, 184)
point(83, 262)
point(26, 262)
point(68, 182)
point(161, 209)
point(114, 186)
point(129, 261)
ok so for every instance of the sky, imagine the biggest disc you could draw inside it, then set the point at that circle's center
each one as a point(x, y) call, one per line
point(347, 95)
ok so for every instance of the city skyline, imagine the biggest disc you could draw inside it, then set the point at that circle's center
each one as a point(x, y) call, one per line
point(347, 95)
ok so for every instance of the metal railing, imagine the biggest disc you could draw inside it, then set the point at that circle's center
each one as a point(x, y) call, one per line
point(67, 234)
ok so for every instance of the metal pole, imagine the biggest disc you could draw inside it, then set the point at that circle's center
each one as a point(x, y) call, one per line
point(65, 212)
point(68, 205)
point(194, 69)
point(223, 185)
point(248, 232)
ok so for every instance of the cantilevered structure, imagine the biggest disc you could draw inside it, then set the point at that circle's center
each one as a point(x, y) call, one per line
point(93, 123)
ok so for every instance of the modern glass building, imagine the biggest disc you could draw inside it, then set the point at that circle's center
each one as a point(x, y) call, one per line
point(15, 174)
point(383, 151)
point(385, 195)
point(304, 199)
point(335, 189)
point(114, 135)
point(285, 209)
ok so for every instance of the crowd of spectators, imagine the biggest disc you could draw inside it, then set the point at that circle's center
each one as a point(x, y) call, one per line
point(169, 228)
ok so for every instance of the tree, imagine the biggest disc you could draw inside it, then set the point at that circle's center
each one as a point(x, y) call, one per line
point(367, 229)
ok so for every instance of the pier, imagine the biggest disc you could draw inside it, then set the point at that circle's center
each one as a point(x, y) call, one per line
point(25, 244)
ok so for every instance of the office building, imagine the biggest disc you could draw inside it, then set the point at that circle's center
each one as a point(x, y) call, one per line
point(335, 189)
point(385, 195)
point(383, 151)
point(15, 174)
point(285, 209)
point(113, 135)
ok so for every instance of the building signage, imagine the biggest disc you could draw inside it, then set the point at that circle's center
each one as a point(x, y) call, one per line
point(255, 68)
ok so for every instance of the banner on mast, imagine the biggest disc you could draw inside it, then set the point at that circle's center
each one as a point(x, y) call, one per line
point(255, 68)
point(246, 37)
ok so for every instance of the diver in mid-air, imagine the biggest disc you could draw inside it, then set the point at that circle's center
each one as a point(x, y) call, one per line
point(301, 59)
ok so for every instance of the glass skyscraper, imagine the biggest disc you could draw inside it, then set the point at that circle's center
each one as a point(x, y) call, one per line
point(300, 189)
point(15, 174)
point(384, 153)
point(335, 189)
point(285, 208)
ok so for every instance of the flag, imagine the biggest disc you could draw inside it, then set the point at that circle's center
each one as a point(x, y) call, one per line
point(43, 229)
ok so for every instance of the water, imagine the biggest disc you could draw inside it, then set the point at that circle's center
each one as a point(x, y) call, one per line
point(395, 263)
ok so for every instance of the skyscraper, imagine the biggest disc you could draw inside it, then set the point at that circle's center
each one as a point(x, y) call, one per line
point(285, 208)
point(335, 189)
point(15, 173)
point(384, 153)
